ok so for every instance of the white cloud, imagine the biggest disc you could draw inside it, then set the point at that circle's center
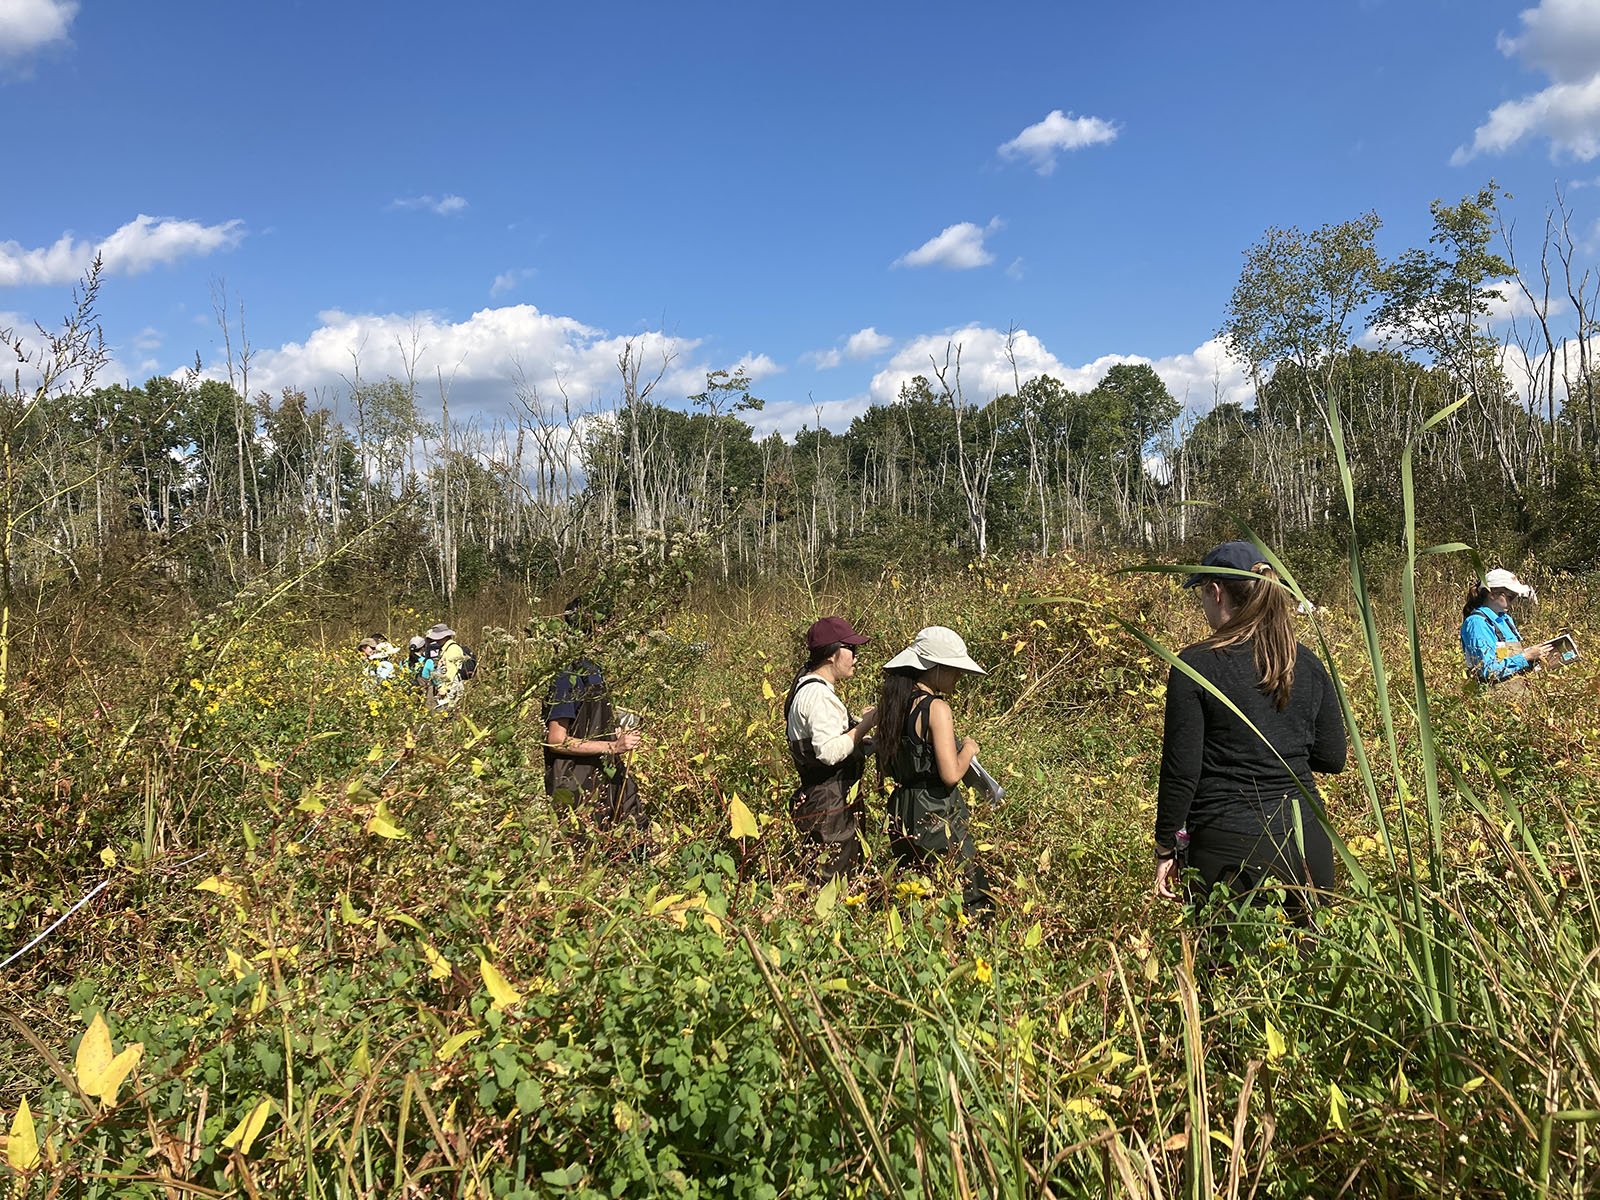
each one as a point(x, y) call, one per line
point(1014, 271)
point(958, 248)
point(1059, 131)
point(148, 338)
point(862, 344)
point(507, 280)
point(443, 206)
point(788, 417)
point(1507, 301)
point(479, 358)
point(866, 343)
point(139, 245)
point(756, 367)
point(1562, 39)
point(1198, 379)
point(30, 25)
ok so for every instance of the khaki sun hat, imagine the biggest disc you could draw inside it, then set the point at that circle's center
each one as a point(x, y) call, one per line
point(936, 646)
point(440, 631)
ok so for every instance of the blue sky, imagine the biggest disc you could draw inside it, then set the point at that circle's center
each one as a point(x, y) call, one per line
point(824, 192)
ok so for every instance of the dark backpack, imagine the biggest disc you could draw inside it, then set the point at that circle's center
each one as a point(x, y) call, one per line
point(469, 663)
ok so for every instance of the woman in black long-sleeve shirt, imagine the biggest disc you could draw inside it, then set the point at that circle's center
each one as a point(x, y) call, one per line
point(1219, 780)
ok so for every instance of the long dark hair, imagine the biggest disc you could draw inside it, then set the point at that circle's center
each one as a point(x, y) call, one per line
point(894, 701)
point(814, 660)
point(1262, 617)
point(1477, 597)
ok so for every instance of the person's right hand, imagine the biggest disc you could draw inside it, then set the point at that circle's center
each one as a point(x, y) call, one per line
point(1166, 879)
point(969, 744)
point(1535, 653)
point(625, 741)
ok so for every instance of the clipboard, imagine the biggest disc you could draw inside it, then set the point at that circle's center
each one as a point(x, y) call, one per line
point(1559, 651)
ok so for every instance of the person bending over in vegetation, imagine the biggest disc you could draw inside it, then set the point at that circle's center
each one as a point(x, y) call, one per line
point(1247, 820)
point(828, 746)
point(1490, 642)
point(917, 748)
point(446, 681)
point(380, 666)
point(584, 746)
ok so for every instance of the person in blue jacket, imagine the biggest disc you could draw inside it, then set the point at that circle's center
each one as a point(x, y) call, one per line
point(1490, 640)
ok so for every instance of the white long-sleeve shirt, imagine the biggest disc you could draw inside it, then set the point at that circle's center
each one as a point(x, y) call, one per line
point(820, 717)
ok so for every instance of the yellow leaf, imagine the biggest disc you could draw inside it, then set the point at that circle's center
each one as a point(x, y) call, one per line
point(1276, 1048)
point(94, 1055)
point(753, 726)
point(220, 886)
point(1032, 937)
point(501, 992)
point(382, 826)
point(438, 964)
point(743, 822)
point(116, 1071)
point(246, 1131)
point(108, 858)
point(1018, 649)
point(1084, 1106)
point(447, 1051)
point(347, 912)
point(22, 1147)
point(1472, 1084)
point(375, 753)
point(766, 690)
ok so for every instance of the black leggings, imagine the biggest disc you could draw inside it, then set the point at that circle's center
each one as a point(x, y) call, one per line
point(1245, 861)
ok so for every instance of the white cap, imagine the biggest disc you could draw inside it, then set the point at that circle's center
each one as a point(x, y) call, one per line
point(1500, 578)
point(936, 646)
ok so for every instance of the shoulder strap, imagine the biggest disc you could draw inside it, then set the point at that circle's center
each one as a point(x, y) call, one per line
point(794, 695)
point(1494, 626)
point(922, 703)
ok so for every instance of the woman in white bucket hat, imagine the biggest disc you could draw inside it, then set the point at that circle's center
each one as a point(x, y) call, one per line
point(917, 747)
point(1490, 641)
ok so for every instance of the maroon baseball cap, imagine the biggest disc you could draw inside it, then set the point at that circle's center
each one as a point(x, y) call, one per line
point(830, 630)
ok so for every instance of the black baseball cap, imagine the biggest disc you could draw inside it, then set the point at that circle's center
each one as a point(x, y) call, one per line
point(1240, 556)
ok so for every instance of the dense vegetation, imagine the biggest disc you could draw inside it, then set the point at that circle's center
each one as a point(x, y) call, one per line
point(345, 947)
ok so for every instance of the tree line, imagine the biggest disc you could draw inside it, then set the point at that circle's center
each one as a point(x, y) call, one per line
point(200, 484)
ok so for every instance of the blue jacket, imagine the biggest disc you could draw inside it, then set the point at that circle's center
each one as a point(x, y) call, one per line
point(1481, 632)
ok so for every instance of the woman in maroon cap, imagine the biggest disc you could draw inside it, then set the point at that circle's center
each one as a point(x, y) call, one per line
point(828, 747)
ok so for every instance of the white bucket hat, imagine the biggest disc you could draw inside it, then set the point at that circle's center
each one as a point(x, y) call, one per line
point(1502, 578)
point(936, 646)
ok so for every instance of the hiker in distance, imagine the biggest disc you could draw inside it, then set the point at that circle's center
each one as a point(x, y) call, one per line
point(1227, 808)
point(1491, 644)
point(828, 746)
